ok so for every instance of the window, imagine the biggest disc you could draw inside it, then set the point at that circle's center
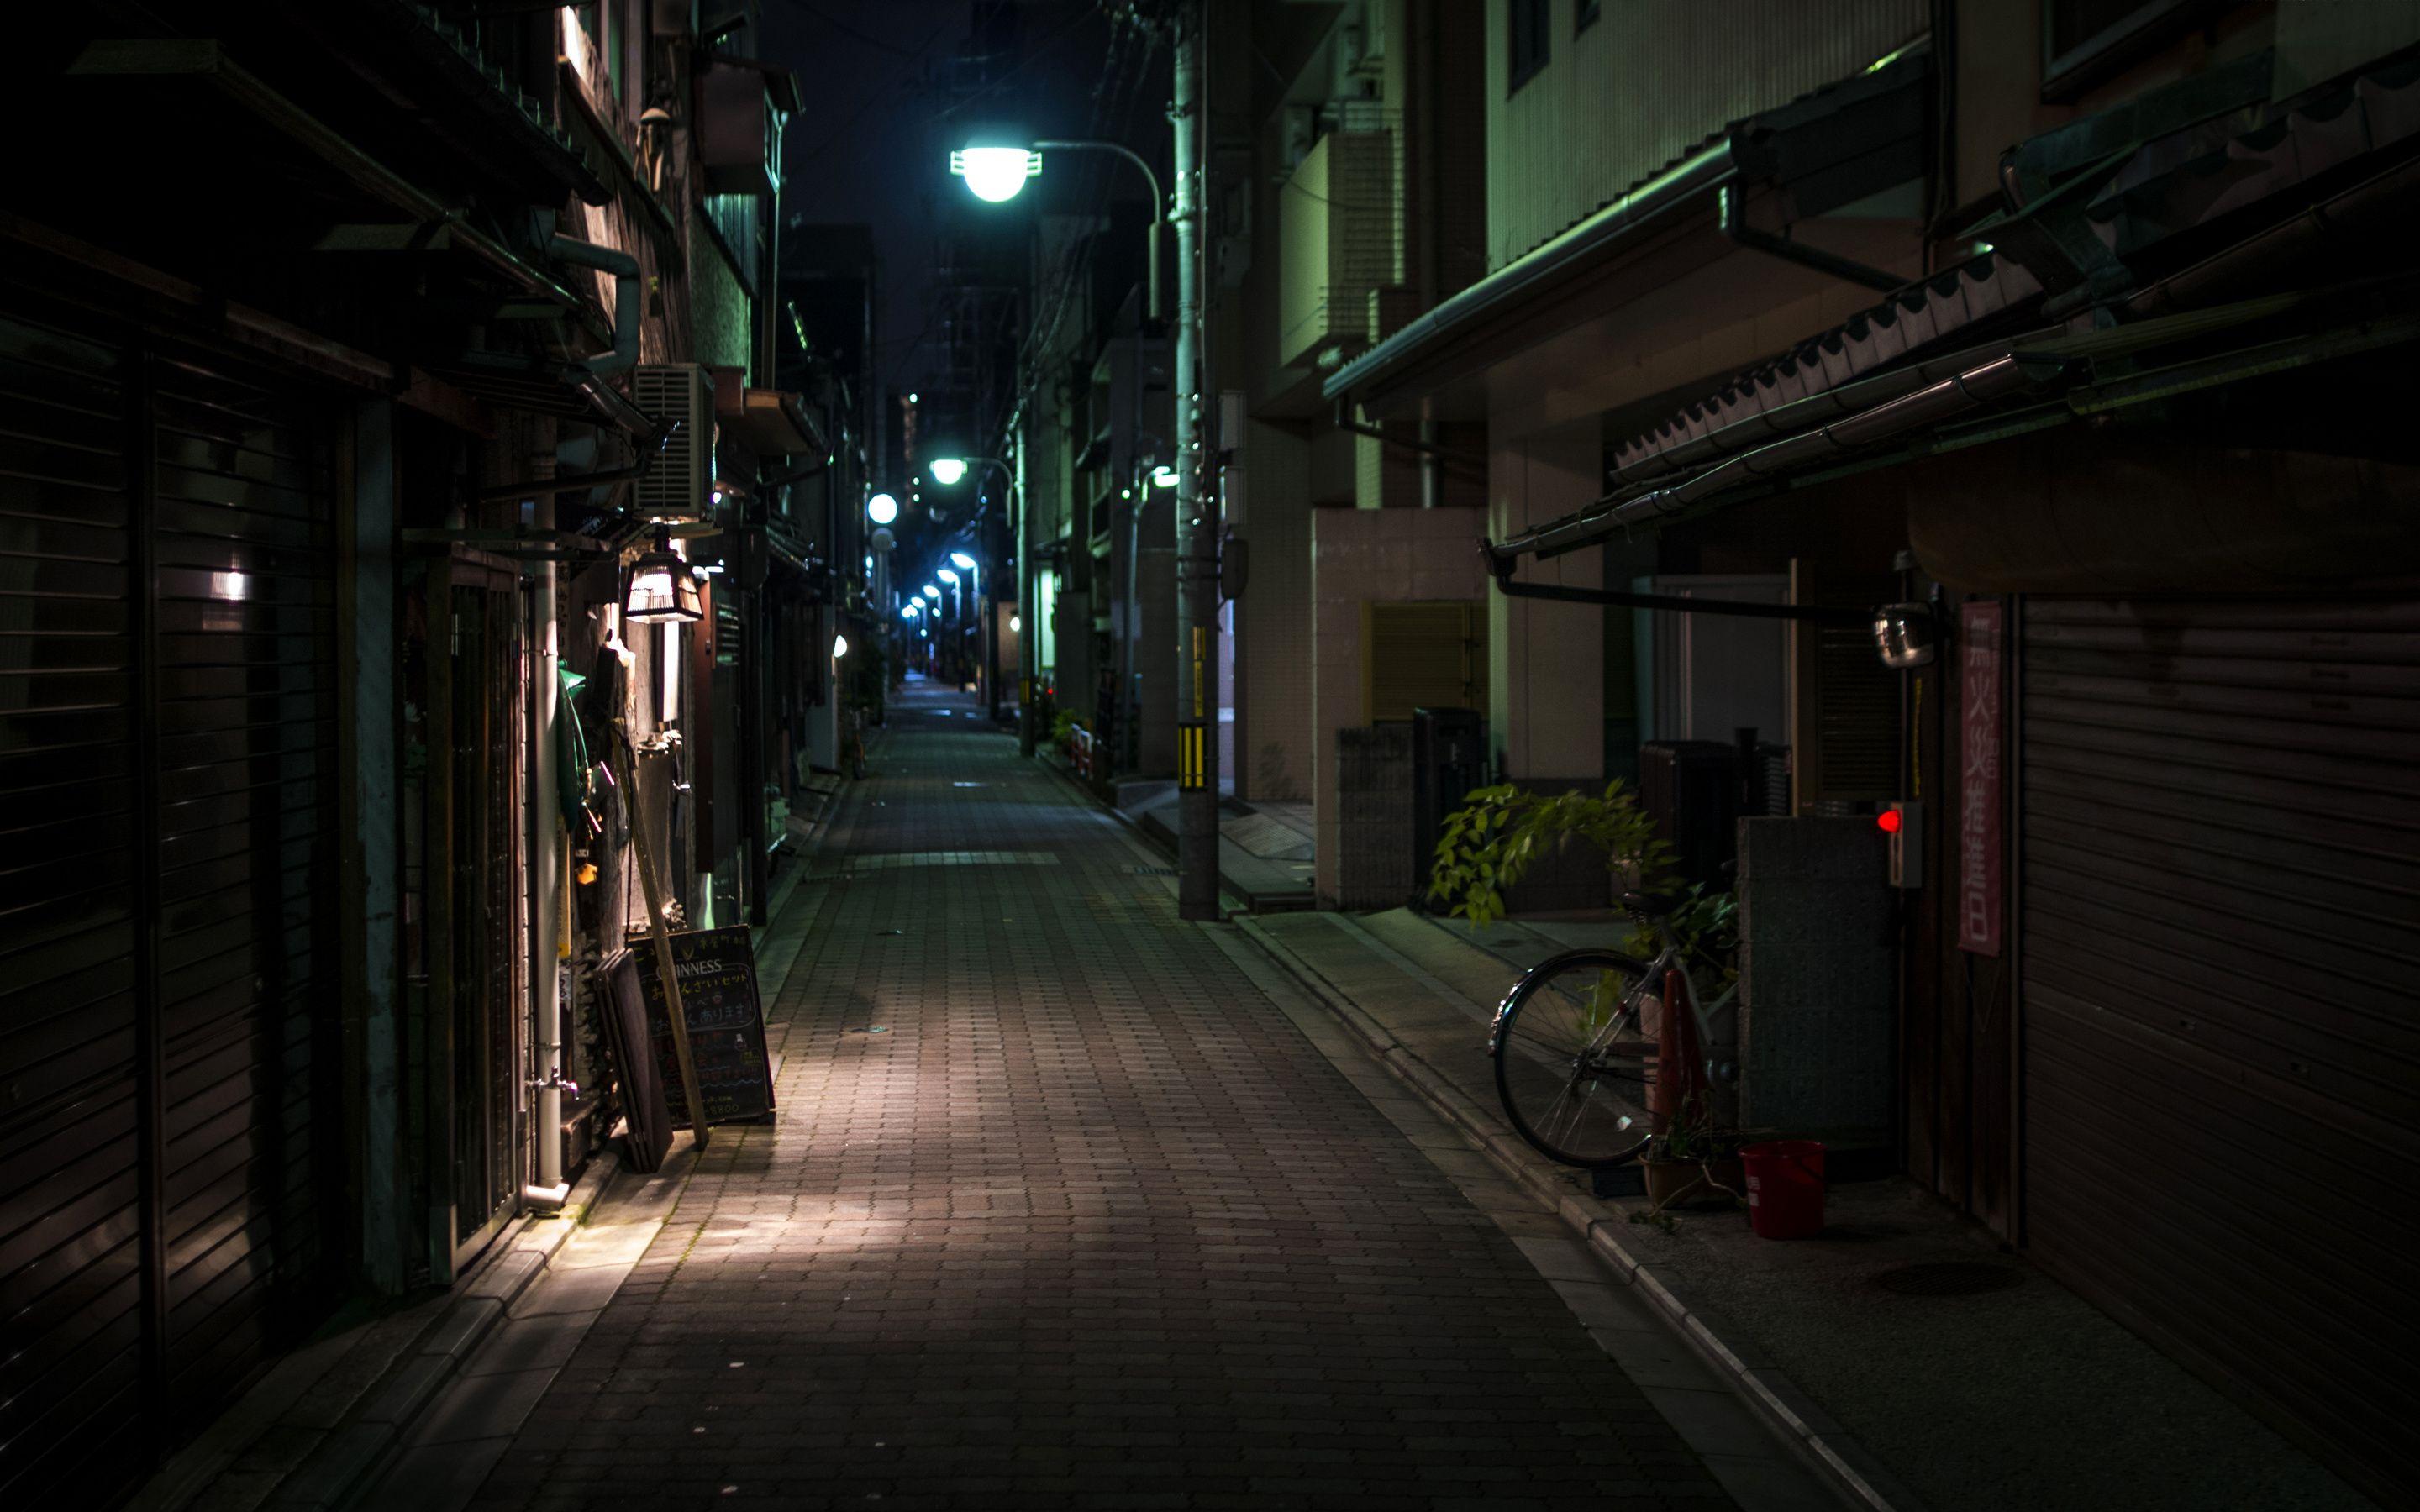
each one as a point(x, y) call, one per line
point(1528, 40)
point(1584, 15)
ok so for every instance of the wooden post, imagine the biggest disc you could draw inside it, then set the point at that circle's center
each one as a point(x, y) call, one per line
point(663, 943)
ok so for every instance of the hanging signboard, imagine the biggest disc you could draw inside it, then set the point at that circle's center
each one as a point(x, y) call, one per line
point(726, 1026)
point(1979, 776)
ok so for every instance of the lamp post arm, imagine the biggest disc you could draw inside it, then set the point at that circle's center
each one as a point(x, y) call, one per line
point(1158, 206)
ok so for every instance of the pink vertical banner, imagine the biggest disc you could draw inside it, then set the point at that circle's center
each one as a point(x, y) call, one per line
point(1979, 776)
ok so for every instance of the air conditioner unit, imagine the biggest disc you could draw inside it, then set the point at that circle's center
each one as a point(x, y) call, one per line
point(678, 397)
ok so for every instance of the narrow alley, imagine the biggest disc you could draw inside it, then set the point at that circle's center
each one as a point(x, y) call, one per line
point(1060, 1209)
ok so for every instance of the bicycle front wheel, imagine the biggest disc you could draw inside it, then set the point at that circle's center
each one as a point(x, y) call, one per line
point(1572, 1064)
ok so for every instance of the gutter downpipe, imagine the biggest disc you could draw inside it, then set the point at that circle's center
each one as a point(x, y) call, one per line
point(546, 885)
point(1733, 216)
point(624, 268)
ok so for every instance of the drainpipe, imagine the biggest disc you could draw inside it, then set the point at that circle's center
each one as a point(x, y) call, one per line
point(546, 885)
point(1734, 216)
point(624, 269)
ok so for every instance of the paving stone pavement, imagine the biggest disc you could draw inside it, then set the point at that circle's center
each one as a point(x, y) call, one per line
point(1061, 1210)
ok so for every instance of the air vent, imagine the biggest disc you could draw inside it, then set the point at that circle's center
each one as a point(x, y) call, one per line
point(680, 398)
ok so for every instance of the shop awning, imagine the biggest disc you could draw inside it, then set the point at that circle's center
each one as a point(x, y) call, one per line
point(2120, 232)
point(1991, 392)
point(1828, 149)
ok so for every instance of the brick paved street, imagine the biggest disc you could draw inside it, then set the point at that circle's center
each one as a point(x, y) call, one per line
point(1061, 1210)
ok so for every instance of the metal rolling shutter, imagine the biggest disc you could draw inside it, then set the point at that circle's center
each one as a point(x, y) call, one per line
point(2219, 937)
point(165, 979)
point(245, 578)
point(71, 1172)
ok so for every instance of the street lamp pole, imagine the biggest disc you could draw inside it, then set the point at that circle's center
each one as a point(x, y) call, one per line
point(1197, 511)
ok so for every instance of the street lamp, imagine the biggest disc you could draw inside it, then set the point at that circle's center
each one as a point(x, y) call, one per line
point(997, 173)
point(963, 560)
point(946, 470)
point(882, 509)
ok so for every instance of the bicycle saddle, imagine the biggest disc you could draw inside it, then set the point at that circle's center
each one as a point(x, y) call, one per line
point(1650, 904)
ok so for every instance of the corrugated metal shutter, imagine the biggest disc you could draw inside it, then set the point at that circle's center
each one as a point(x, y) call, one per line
point(167, 979)
point(2220, 933)
point(71, 1170)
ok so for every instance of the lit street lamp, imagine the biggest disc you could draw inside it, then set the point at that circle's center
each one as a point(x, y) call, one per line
point(882, 509)
point(997, 173)
point(946, 470)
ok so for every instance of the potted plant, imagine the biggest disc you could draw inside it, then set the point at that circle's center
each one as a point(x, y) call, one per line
point(1499, 832)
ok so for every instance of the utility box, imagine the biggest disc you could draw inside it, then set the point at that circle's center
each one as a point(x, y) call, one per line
point(1448, 759)
point(738, 130)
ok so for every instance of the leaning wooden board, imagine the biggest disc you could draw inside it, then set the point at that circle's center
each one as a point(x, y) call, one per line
point(627, 1031)
point(726, 1026)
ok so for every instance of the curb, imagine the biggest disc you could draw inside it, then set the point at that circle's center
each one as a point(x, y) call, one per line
point(1831, 1451)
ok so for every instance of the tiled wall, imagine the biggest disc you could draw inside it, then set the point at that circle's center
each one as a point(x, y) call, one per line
point(1359, 555)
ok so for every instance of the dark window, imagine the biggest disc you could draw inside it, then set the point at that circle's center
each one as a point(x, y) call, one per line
point(1584, 15)
point(2085, 41)
point(1529, 38)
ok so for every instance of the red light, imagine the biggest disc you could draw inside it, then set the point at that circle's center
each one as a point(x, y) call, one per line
point(1889, 819)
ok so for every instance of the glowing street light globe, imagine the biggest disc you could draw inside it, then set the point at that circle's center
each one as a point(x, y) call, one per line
point(963, 560)
point(840, 646)
point(947, 469)
point(995, 174)
point(882, 509)
point(933, 592)
point(948, 577)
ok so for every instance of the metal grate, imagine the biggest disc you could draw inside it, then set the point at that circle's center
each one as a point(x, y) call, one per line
point(676, 397)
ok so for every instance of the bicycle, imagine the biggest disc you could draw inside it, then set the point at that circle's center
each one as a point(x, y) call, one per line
point(1574, 1058)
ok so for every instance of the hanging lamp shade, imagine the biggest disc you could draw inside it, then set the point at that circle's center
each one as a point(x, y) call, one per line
point(661, 587)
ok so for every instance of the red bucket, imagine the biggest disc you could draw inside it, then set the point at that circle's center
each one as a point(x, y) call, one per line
point(1785, 1188)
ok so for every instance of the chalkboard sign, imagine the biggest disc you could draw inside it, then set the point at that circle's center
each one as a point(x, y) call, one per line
point(727, 1027)
point(650, 1136)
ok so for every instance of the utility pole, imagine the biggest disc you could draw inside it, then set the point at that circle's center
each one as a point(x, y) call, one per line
point(1028, 597)
point(1197, 511)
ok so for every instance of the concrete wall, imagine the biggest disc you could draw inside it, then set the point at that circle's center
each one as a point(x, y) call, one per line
point(1645, 85)
point(1815, 1025)
point(1359, 555)
point(1546, 662)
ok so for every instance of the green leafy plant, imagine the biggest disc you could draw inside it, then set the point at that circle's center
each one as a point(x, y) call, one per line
point(1501, 832)
point(1063, 725)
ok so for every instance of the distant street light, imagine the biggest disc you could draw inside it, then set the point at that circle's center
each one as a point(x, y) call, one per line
point(933, 592)
point(948, 577)
point(840, 646)
point(1163, 477)
point(946, 470)
point(963, 560)
point(882, 509)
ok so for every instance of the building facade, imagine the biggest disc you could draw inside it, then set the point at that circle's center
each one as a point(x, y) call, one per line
point(352, 361)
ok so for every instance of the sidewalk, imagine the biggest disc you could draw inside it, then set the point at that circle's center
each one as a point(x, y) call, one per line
point(1873, 1342)
point(1070, 1204)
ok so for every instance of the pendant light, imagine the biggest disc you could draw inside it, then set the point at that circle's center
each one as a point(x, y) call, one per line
point(661, 585)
